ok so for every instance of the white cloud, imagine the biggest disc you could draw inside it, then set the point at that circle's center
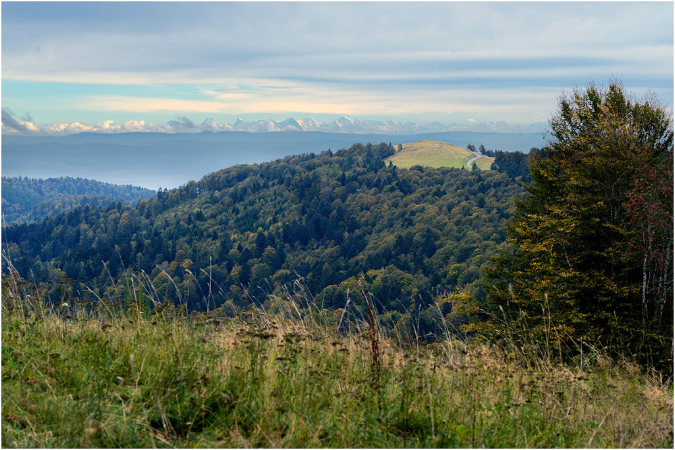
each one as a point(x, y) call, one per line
point(109, 126)
point(30, 126)
point(353, 58)
point(275, 40)
point(139, 126)
point(66, 128)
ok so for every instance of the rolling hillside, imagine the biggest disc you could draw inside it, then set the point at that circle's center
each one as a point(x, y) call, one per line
point(32, 200)
point(435, 154)
point(338, 221)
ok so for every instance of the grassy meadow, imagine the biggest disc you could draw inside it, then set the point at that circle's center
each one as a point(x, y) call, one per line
point(127, 373)
point(436, 154)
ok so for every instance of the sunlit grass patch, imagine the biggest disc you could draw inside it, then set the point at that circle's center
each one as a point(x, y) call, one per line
point(435, 154)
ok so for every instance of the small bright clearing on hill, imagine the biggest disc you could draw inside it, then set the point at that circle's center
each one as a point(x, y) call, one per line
point(436, 154)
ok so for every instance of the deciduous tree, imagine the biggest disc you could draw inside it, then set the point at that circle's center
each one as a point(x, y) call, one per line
point(591, 246)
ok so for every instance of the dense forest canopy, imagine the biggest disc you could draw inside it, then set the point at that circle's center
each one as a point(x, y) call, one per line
point(32, 200)
point(514, 164)
point(337, 221)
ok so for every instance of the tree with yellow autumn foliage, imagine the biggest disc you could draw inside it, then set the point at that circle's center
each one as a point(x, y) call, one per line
point(586, 261)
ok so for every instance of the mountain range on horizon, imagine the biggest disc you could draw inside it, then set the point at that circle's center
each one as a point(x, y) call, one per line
point(12, 126)
point(360, 126)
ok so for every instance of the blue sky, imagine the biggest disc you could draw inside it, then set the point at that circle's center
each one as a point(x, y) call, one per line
point(120, 66)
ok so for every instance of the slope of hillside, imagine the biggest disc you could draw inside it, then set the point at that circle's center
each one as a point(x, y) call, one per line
point(436, 154)
point(338, 222)
point(32, 200)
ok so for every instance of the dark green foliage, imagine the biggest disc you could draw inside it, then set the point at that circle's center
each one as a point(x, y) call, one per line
point(583, 264)
point(32, 200)
point(514, 164)
point(333, 219)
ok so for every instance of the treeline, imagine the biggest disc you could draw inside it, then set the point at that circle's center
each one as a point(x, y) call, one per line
point(514, 164)
point(340, 222)
point(32, 200)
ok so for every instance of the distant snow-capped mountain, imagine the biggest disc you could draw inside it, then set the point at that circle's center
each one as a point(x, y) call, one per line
point(340, 125)
point(362, 126)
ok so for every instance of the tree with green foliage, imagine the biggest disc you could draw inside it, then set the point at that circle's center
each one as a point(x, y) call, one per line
point(586, 261)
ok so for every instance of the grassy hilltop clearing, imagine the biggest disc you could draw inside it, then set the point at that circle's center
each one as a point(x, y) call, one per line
point(435, 154)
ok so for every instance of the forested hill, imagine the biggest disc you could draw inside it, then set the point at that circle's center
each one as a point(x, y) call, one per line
point(32, 200)
point(333, 219)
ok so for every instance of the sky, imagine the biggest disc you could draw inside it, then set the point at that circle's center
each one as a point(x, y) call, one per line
point(156, 66)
